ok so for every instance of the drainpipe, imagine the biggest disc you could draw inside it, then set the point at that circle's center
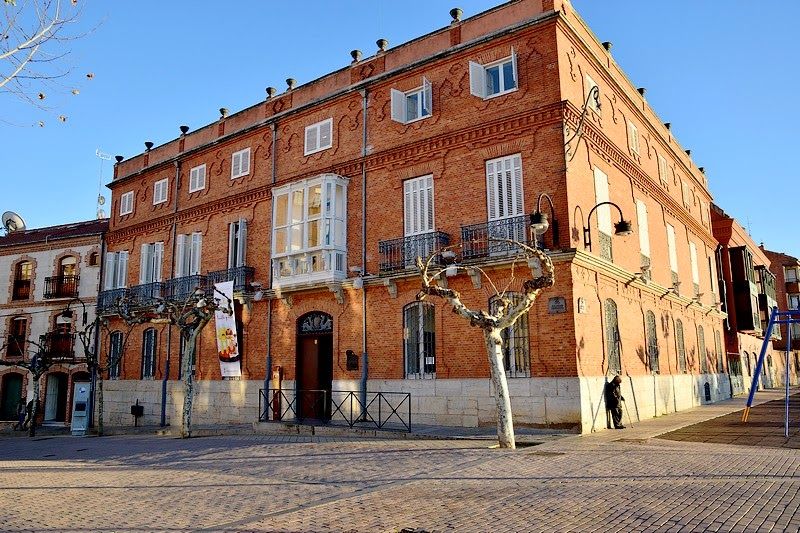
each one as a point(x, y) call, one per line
point(96, 342)
point(171, 275)
point(268, 370)
point(364, 357)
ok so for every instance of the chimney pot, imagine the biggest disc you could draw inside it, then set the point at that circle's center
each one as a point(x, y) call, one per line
point(608, 45)
point(119, 158)
point(642, 90)
point(456, 13)
point(223, 112)
point(668, 125)
point(271, 92)
point(148, 145)
point(356, 55)
point(184, 130)
point(290, 83)
point(382, 44)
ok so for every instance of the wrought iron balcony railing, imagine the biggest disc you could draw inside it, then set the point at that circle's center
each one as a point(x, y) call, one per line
point(398, 254)
point(241, 276)
point(61, 286)
point(180, 289)
point(145, 295)
point(22, 289)
point(107, 301)
point(58, 346)
point(489, 238)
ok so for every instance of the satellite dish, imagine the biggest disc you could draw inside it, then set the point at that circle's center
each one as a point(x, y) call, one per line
point(13, 222)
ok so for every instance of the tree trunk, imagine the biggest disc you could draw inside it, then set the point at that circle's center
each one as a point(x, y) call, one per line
point(100, 404)
point(34, 410)
point(188, 382)
point(505, 423)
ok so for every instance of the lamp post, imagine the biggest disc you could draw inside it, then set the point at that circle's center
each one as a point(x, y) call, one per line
point(540, 223)
point(622, 228)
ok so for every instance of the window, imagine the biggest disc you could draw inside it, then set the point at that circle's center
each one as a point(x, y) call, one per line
point(794, 301)
point(504, 199)
point(412, 105)
point(516, 347)
point(115, 355)
point(695, 269)
point(701, 350)
point(23, 273)
point(652, 341)
point(680, 345)
point(116, 271)
point(494, 79)
point(197, 178)
point(673, 254)
point(685, 194)
point(94, 259)
point(718, 350)
point(126, 204)
point(149, 353)
point(189, 251)
point(662, 170)
point(633, 138)
point(17, 337)
point(603, 214)
point(420, 340)
point(319, 136)
point(594, 101)
point(791, 274)
point(418, 219)
point(310, 231)
point(150, 262)
point(237, 243)
point(644, 237)
point(240, 164)
point(612, 336)
point(160, 191)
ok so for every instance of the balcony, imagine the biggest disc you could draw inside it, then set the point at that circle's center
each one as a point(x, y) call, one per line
point(399, 254)
point(487, 239)
point(61, 287)
point(108, 301)
point(145, 295)
point(16, 346)
point(58, 347)
point(241, 276)
point(21, 290)
point(180, 289)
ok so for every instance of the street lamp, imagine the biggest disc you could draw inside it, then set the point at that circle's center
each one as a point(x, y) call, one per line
point(540, 223)
point(622, 228)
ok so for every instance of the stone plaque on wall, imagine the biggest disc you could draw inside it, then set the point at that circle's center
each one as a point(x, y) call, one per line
point(557, 304)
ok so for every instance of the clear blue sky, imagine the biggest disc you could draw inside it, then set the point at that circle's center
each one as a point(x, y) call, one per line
point(724, 73)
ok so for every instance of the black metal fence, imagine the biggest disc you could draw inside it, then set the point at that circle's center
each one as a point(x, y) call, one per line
point(241, 276)
point(398, 254)
point(382, 410)
point(61, 286)
point(146, 294)
point(180, 289)
point(108, 301)
point(487, 238)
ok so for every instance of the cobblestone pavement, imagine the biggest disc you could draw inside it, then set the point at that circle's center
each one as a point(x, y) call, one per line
point(611, 481)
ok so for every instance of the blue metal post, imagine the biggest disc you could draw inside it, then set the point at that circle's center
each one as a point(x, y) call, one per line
point(760, 363)
point(788, 350)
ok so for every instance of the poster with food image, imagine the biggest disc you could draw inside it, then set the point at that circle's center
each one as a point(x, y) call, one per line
point(225, 328)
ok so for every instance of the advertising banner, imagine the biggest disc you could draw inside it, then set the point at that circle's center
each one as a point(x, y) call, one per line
point(225, 326)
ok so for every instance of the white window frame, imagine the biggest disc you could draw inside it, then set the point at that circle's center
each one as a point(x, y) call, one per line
point(418, 206)
point(195, 175)
point(116, 270)
point(126, 203)
point(240, 163)
point(602, 194)
point(791, 274)
point(318, 128)
point(594, 103)
point(662, 170)
point(423, 357)
point(477, 77)
point(673, 252)
point(424, 103)
point(693, 261)
point(633, 138)
point(685, 194)
point(237, 243)
point(643, 227)
point(150, 260)
point(506, 171)
point(189, 254)
point(793, 301)
point(160, 191)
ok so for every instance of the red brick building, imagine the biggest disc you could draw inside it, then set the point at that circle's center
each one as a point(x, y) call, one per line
point(316, 201)
point(786, 269)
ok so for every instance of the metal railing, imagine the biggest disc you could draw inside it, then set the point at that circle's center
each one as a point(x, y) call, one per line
point(145, 295)
point(382, 410)
point(107, 301)
point(242, 277)
point(398, 254)
point(21, 290)
point(61, 286)
point(58, 346)
point(180, 289)
point(16, 345)
point(479, 239)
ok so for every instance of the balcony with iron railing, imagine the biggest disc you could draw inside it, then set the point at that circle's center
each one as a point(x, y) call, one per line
point(402, 253)
point(489, 239)
point(21, 289)
point(61, 287)
point(109, 300)
point(242, 277)
point(15, 347)
point(58, 347)
point(181, 289)
point(146, 294)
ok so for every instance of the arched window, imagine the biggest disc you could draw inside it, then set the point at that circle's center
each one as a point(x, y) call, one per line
point(67, 279)
point(22, 281)
point(148, 353)
point(94, 259)
point(680, 345)
point(115, 355)
point(420, 340)
point(747, 362)
point(612, 336)
point(516, 345)
point(701, 349)
point(718, 348)
point(17, 337)
point(652, 341)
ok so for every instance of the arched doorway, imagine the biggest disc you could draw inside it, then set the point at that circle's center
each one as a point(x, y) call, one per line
point(314, 377)
point(12, 392)
point(55, 399)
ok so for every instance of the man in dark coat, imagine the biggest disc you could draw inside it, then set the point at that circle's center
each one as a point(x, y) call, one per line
point(20, 425)
point(614, 401)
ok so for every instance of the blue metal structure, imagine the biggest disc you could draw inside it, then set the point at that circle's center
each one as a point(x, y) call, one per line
point(776, 317)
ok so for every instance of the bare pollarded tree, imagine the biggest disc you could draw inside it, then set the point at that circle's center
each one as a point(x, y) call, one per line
point(493, 323)
point(34, 49)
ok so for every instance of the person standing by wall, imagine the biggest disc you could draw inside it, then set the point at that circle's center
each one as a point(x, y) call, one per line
point(614, 401)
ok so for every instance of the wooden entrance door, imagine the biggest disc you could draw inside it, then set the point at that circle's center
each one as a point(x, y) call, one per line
point(314, 366)
point(12, 391)
point(55, 401)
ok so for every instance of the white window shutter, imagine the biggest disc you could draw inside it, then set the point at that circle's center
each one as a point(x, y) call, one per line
point(242, 253)
point(514, 66)
point(407, 220)
point(197, 246)
point(643, 229)
point(398, 106)
point(236, 164)
point(693, 258)
point(180, 269)
point(311, 139)
point(429, 190)
point(427, 97)
point(111, 272)
point(326, 133)
point(491, 191)
point(158, 259)
point(477, 80)
point(601, 195)
point(122, 270)
point(245, 163)
point(232, 245)
point(516, 163)
point(673, 253)
point(144, 264)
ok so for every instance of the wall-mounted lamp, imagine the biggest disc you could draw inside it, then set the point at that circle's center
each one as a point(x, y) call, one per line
point(621, 228)
point(539, 222)
point(258, 292)
point(449, 259)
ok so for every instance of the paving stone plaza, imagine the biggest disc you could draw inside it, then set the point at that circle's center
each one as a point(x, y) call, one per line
point(610, 481)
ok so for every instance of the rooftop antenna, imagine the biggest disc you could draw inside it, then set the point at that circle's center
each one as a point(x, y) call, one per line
point(12, 222)
point(101, 200)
